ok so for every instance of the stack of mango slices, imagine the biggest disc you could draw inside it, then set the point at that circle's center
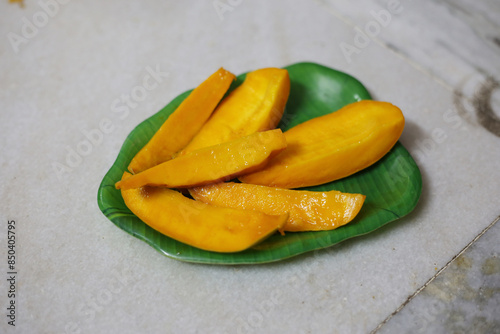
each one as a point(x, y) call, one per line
point(212, 139)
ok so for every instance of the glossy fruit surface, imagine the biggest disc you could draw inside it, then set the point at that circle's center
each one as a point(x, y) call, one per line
point(211, 164)
point(392, 186)
point(198, 224)
point(333, 146)
point(308, 210)
point(184, 123)
point(255, 105)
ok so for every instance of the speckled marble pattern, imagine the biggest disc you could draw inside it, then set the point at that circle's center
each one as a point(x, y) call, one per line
point(63, 79)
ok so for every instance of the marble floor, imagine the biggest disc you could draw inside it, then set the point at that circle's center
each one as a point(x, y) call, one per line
point(463, 297)
point(67, 64)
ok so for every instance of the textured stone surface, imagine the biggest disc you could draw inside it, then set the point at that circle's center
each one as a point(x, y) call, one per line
point(71, 75)
point(464, 298)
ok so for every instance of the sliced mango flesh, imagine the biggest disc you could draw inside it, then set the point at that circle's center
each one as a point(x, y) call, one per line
point(211, 164)
point(198, 224)
point(256, 105)
point(333, 146)
point(308, 210)
point(183, 124)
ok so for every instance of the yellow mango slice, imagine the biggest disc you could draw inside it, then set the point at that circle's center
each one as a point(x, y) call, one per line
point(308, 210)
point(333, 146)
point(256, 105)
point(198, 224)
point(211, 164)
point(183, 124)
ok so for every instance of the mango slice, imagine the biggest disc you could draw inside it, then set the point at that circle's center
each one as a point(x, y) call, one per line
point(333, 146)
point(256, 105)
point(211, 164)
point(198, 224)
point(308, 210)
point(183, 124)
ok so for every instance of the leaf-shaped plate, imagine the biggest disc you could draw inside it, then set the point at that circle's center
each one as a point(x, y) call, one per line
point(392, 186)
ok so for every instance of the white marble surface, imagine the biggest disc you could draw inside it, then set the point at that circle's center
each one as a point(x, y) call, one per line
point(78, 273)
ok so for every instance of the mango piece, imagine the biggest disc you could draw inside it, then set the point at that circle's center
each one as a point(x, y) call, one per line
point(183, 124)
point(198, 224)
point(255, 105)
point(211, 164)
point(308, 210)
point(333, 146)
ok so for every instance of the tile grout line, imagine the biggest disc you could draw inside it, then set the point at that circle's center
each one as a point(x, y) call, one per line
point(407, 301)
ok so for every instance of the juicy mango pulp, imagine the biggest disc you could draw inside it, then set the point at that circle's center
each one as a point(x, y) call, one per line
point(319, 151)
point(198, 224)
point(308, 210)
point(255, 105)
point(333, 146)
point(211, 164)
point(184, 123)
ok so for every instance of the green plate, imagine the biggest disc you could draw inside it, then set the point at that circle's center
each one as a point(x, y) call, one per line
point(392, 186)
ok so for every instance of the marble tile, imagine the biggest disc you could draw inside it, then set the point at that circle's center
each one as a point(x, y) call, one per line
point(464, 298)
point(82, 274)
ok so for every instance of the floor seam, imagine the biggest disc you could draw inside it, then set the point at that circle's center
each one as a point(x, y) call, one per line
point(473, 241)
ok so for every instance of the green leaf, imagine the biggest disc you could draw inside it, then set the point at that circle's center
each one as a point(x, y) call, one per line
point(392, 186)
